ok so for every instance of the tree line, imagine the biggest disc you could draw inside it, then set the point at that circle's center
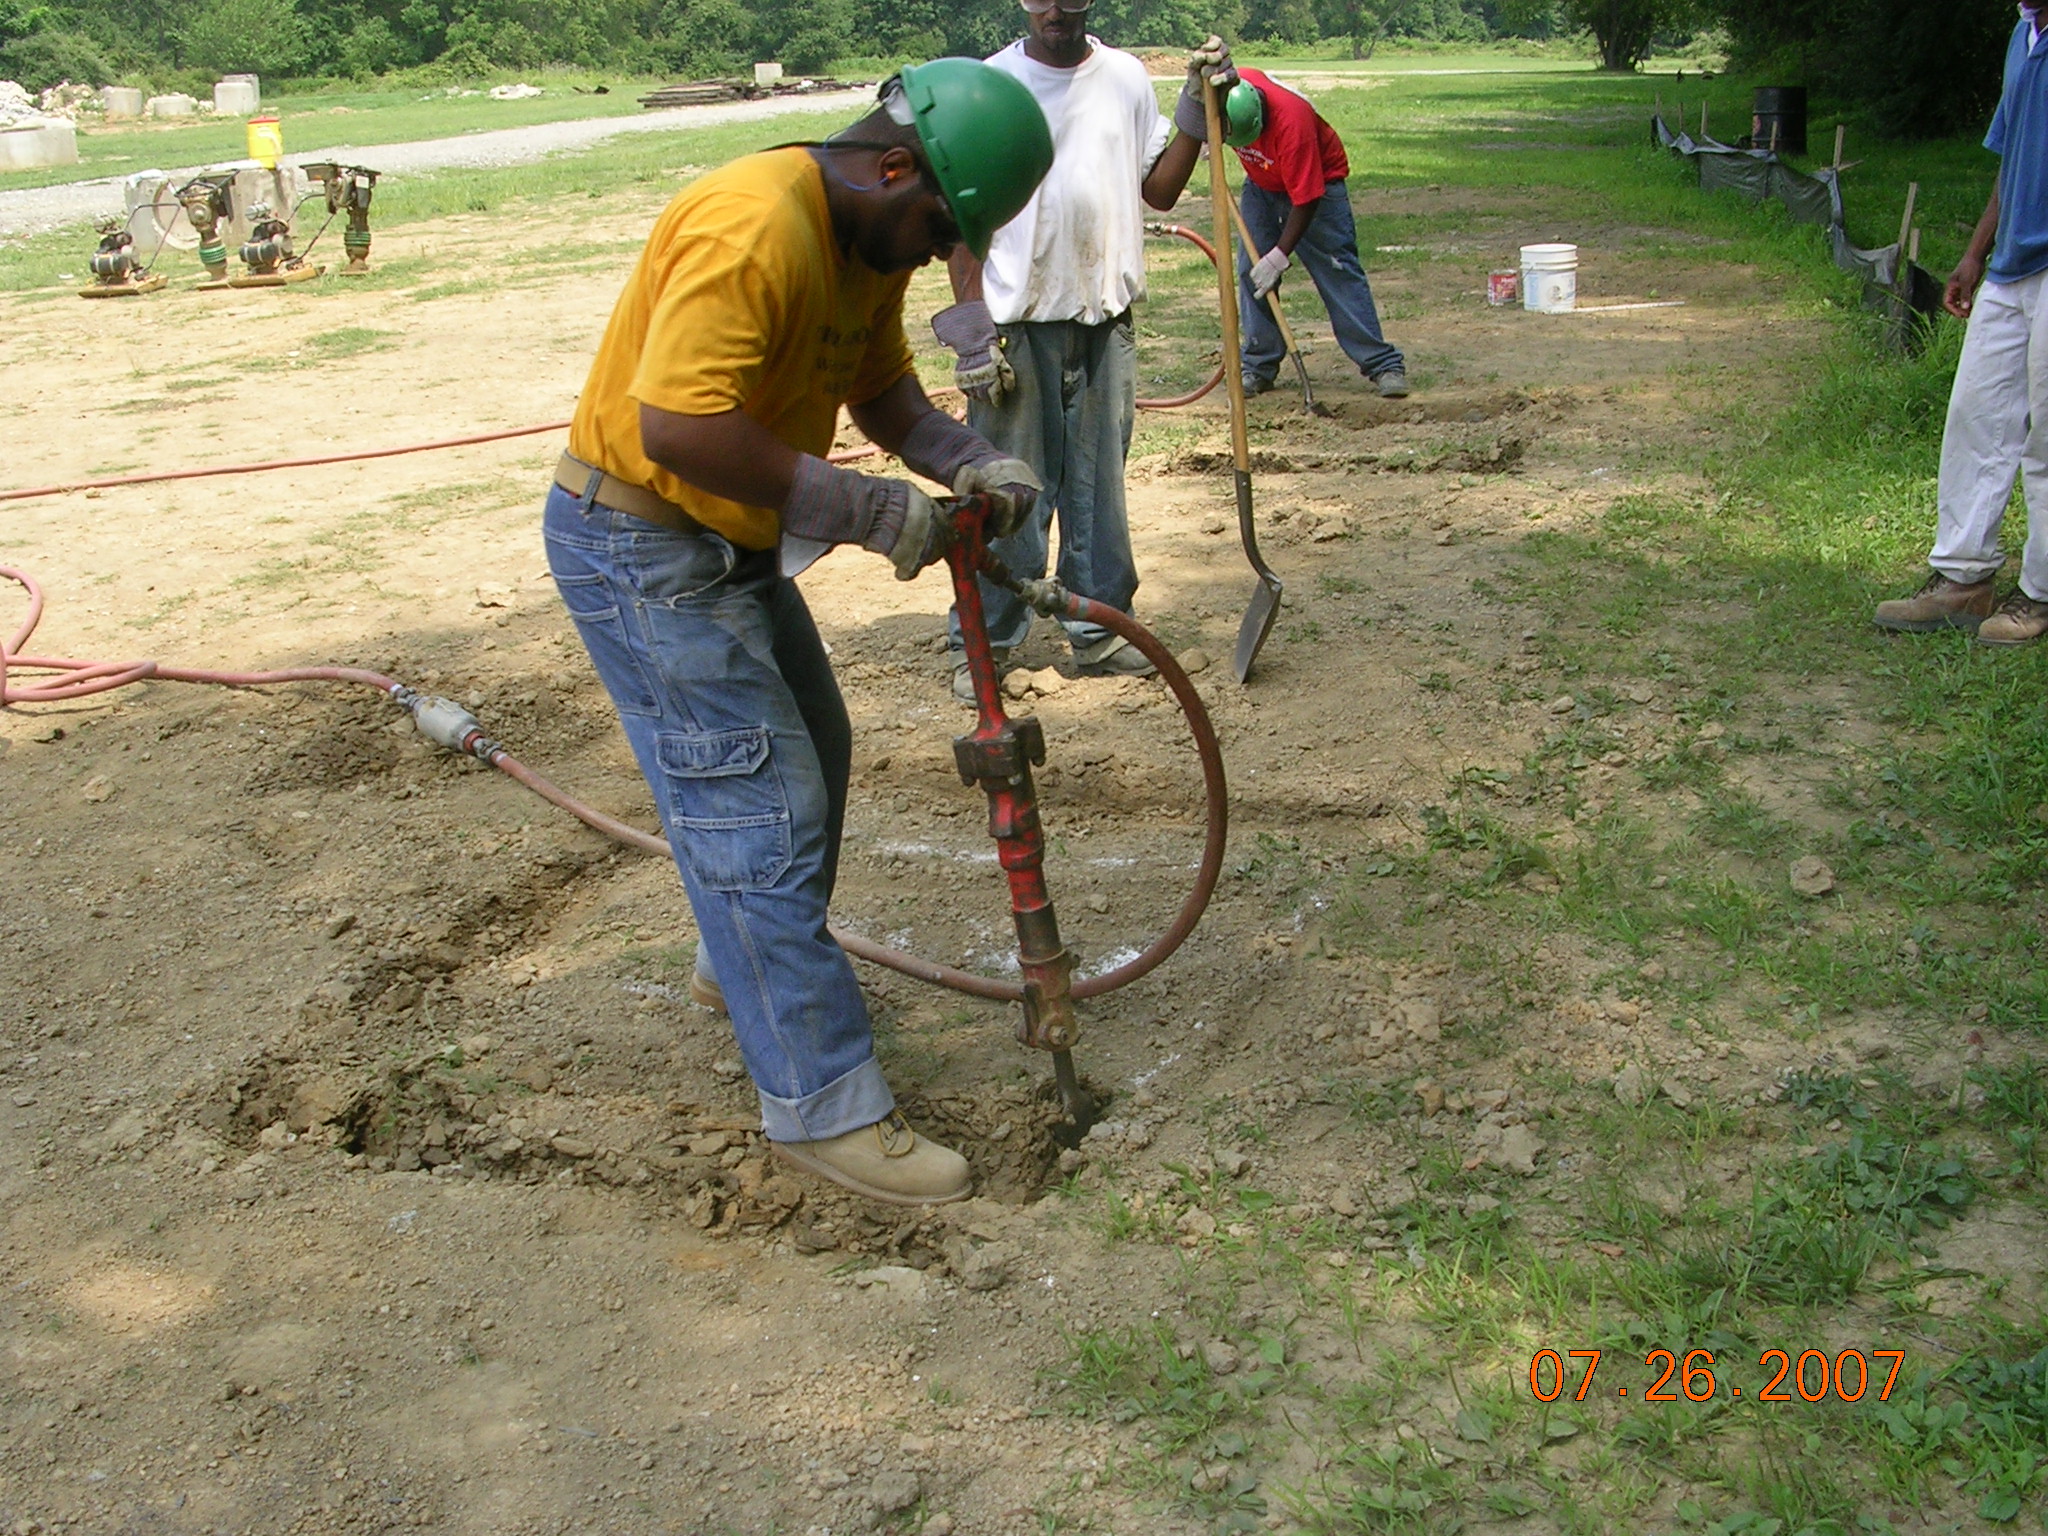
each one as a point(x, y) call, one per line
point(1912, 66)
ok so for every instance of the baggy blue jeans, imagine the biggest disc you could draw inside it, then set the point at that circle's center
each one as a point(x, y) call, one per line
point(1069, 418)
point(724, 690)
point(1329, 252)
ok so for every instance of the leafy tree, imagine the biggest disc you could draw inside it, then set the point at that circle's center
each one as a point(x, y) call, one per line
point(44, 59)
point(1915, 69)
point(256, 36)
point(1623, 29)
point(706, 37)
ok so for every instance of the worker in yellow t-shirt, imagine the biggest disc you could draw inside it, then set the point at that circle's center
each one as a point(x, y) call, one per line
point(695, 486)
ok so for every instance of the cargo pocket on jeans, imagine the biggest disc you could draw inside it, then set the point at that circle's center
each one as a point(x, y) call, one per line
point(603, 627)
point(727, 806)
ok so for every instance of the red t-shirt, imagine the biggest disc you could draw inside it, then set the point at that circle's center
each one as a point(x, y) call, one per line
point(1297, 153)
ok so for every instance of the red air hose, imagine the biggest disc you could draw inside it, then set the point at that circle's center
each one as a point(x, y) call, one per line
point(454, 727)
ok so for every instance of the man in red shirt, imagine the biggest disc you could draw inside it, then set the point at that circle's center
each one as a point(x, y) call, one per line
point(1295, 204)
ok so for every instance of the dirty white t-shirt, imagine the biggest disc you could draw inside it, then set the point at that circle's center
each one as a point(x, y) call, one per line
point(1077, 251)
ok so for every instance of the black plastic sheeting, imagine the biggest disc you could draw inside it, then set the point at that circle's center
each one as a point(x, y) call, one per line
point(1906, 300)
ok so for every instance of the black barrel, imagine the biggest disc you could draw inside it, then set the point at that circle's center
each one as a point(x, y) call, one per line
point(1779, 119)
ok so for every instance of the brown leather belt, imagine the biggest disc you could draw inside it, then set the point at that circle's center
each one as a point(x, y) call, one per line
point(575, 477)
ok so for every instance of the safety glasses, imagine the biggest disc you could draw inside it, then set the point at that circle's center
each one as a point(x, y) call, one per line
point(1040, 7)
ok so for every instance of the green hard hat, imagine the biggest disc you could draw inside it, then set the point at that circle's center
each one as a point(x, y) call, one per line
point(1244, 114)
point(985, 139)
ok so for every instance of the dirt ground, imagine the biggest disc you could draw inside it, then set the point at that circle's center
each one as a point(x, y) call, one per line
point(365, 1167)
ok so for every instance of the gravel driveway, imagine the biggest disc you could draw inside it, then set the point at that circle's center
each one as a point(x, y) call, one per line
point(36, 209)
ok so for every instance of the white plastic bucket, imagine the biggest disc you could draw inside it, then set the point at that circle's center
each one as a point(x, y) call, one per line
point(1550, 278)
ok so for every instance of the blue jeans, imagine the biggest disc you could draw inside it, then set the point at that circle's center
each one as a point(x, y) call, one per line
point(722, 684)
point(1329, 252)
point(1069, 418)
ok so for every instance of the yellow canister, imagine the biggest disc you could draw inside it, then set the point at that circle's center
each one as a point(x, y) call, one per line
point(266, 141)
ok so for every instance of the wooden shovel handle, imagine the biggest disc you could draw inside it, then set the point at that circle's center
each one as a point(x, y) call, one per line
point(1226, 276)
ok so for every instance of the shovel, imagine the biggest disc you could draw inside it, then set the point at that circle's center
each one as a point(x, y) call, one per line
point(1308, 395)
point(1265, 604)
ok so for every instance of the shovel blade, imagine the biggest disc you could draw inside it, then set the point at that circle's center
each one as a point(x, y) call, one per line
point(1256, 625)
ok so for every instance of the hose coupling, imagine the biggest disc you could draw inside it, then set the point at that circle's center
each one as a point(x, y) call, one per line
point(1045, 596)
point(447, 723)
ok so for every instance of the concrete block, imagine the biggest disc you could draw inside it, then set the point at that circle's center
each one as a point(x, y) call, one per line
point(38, 142)
point(121, 101)
point(767, 74)
point(177, 104)
point(237, 95)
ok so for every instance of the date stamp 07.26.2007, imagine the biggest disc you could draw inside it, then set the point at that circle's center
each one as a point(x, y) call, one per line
point(1781, 1376)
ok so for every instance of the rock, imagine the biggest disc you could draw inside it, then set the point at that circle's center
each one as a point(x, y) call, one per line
point(1047, 681)
point(1563, 704)
point(897, 1279)
point(1432, 1098)
point(1096, 902)
point(1343, 1202)
point(986, 1268)
point(1517, 1150)
point(572, 1146)
point(125, 1133)
point(339, 924)
point(1676, 1092)
point(1221, 1356)
point(1212, 524)
point(1232, 1162)
point(1479, 1205)
point(474, 1046)
point(891, 1492)
point(1196, 1222)
point(710, 1144)
point(1195, 661)
point(1629, 1086)
point(274, 1137)
point(1421, 1017)
point(1487, 1100)
point(1812, 877)
point(1653, 972)
point(726, 1069)
point(97, 789)
point(938, 1525)
point(535, 1075)
point(319, 1101)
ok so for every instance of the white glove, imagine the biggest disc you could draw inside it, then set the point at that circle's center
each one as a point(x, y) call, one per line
point(1266, 271)
point(1012, 487)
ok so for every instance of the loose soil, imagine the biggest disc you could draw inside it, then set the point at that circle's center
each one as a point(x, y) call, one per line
point(365, 1164)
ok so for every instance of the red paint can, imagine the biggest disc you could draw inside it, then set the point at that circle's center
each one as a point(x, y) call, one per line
point(1504, 287)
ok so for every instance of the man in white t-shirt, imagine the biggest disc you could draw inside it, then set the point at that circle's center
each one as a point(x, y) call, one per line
point(1042, 327)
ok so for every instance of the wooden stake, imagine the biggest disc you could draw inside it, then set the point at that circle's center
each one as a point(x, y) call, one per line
point(1906, 220)
point(1913, 245)
point(1840, 130)
point(1703, 119)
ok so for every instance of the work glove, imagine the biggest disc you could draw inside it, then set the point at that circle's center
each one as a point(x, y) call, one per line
point(926, 534)
point(1011, 486)
point(1266, 271)
point(1209, 62)
point(979, 367)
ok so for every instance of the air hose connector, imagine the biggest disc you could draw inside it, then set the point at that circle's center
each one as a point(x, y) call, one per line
point(447, 723)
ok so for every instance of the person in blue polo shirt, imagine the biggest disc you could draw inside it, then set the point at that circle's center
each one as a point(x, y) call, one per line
point(1998, 410)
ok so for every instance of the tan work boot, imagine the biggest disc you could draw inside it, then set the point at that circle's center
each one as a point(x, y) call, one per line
point(884, 1161)
point(2020, 618)
point(1941, 603)
point(706, 993)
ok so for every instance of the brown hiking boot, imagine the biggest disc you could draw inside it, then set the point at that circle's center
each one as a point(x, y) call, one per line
point(1942, 603)
point(2019, 619)
point(884, 1161)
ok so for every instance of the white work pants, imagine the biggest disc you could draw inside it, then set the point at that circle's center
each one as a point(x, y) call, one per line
point(1997, 427)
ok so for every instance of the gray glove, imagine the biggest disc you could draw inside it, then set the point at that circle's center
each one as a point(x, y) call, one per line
point(980, 369)
point(926, 534)
point(1011, 486)
point(1209, 62)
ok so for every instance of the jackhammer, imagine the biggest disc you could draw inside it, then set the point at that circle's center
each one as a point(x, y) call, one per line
point(999, 754)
